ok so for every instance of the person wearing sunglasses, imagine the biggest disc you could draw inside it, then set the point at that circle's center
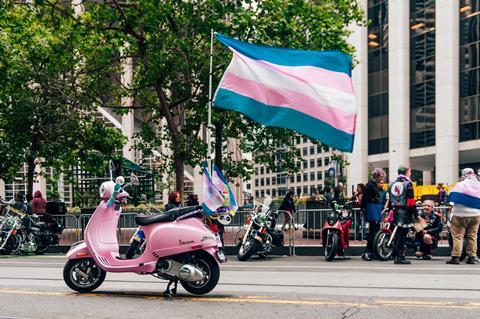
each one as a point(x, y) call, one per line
point(427, 239)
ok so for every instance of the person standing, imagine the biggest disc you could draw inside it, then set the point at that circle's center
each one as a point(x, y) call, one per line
point(288, 207)
point(442, 195)
point(402, 201)
point(466, 216)
point(174, 201)
point(372, 210)
point(192, 200)
point(39, 204)
point(357, 204)
point(338, 195)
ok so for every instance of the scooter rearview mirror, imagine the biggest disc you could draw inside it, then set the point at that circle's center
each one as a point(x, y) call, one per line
point(134, 180)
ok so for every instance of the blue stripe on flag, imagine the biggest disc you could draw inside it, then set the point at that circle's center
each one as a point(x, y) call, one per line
point(285, 118)
point(331, 60)
point(464, 199)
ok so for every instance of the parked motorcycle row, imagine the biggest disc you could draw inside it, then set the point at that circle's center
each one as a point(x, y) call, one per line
point(20, 234)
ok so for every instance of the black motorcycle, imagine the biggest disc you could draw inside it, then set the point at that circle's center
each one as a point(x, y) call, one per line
point(260, 235)
point(45, 234)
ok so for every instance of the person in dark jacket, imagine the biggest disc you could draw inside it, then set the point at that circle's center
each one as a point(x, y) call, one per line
point(428, 238)
point(338, 195)
point(192, 200)
point(442, 195)
point(287, 205)
point(372, 210)
point(174, 201)
point(402, 201)
point(38, 204)
point(357, 203)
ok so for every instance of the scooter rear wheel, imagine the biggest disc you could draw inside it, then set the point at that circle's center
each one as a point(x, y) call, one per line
point(211, 272)
point(83, 275)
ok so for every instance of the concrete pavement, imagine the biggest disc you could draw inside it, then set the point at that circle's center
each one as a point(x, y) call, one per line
point(281, 287)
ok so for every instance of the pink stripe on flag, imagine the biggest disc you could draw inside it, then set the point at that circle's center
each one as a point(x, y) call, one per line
point(290, 99)
point(309, 74)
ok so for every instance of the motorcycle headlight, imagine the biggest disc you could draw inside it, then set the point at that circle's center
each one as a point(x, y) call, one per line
point(345, 214)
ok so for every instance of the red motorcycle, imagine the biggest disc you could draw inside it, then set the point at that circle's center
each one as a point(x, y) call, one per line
point(335, 231)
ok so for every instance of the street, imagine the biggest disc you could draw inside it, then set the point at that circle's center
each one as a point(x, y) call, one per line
point(280, 287)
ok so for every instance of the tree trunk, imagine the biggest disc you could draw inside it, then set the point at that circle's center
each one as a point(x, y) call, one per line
point(179, 163)
point(218, 145)
point(30, 175)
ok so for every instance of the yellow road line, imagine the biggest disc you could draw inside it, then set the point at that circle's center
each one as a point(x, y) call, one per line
point(262, 300)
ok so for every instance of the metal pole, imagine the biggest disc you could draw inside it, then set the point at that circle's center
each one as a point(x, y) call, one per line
point(209, 133)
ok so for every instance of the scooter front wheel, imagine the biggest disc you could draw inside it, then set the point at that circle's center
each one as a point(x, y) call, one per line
point(383, 250)
point(83, 275)
point(211, 274)
point(331, 247)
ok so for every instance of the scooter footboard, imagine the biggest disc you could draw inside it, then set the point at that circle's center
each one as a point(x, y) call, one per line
point(78, 250)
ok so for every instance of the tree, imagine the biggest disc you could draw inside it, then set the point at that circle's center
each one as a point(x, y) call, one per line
point(169, 41)
point(45, 119)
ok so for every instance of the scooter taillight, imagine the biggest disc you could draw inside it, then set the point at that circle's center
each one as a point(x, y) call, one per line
point(264, 231)
point(247, 221)
point(14, 232)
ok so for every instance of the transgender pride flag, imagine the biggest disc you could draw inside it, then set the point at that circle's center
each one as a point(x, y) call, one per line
point(306, 91)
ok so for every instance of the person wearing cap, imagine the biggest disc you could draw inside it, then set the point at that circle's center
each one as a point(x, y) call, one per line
point(465, 216)
point(402, 201)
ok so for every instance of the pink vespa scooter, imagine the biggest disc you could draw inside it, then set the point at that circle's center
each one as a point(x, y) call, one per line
point(179, 247)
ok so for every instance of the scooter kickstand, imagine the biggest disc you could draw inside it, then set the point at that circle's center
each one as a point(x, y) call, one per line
point(170, 293)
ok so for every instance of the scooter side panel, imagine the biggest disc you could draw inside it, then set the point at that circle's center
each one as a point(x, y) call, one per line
point(179, 237)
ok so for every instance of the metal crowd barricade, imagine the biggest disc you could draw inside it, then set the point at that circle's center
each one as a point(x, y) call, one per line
point(70, 232)
point(235, 231)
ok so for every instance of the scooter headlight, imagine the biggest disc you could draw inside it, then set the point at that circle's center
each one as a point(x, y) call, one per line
point(225, 219)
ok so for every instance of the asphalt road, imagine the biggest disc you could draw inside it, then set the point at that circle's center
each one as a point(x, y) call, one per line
point(281, 287)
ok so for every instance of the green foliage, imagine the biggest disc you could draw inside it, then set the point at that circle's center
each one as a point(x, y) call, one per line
point(47, 115)
point(169, 41)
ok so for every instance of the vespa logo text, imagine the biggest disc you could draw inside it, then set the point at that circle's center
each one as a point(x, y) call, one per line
point(181, 242)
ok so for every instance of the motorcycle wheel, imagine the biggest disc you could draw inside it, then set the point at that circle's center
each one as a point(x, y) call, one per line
point(42, 249)
point(331, 246)
point(132, 249)
point(211, 272)
point(75, 268)
point(239, 236)
point(247, 249)
point(12, 246)
point(381, 249)
point(464, 247)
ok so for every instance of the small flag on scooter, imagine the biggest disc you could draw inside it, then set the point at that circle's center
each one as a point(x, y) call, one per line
point(221, 183)
point(212, 197)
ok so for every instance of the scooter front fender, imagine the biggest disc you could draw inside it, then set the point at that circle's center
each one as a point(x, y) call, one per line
point(78, 250)
point(216, 253)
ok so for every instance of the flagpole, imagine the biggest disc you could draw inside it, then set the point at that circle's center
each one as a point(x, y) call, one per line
point(209, 125)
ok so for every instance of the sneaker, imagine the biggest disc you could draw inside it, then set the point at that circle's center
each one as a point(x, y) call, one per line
point(471, 260)
point(427, 257)
point(366, 256)
point(401, 261)
point(453, 261)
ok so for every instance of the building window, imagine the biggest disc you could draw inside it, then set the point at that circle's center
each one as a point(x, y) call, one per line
point(312, 150)
point(249, 186)
point(319, 175)
point(256, 182)
point(267, 191)
point(304, 151)
point(377, 77)
point(257, 194)
point(274, 180)
point(319, 149)
point(305, 190)
point(299, 178)
point(262, 170)
point(305, 177)
point(297, 139)
point(262, 193)
point(256, 170)
point(312, 176)
point(299, 191)
point(312, 163)
point(327, 161)
point(292, 179)
point(469, 113)
point(262, 182)
point(274, 192)
point(268, 181)
point(305, 139)
point(305, 164)
point(319, 162)
point(422, 73)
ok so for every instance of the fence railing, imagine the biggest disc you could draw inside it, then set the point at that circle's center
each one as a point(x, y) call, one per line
point(304, 228)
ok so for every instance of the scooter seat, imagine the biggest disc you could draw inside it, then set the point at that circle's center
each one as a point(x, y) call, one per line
point(169, 216)
point(143, 220)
